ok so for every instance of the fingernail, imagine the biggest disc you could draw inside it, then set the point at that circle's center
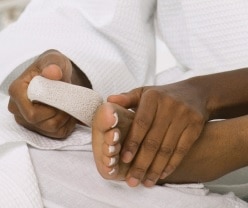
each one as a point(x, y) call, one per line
point(116, 136)
point(116, 120)
point(133, 181)
point(167, 172)
point(112, 161)
point(164, 175)
point(111, 172)
point(111, 149)
point(149, 183)
point(127, 157)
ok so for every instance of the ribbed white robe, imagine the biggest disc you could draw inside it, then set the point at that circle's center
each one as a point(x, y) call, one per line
point(113, 42)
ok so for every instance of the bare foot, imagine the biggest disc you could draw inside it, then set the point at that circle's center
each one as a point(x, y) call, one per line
point(206, 161)
point(110, 126)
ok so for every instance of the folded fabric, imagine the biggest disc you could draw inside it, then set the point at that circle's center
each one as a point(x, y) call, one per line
point(70, 179)
point(18, 182)
point(12, 132)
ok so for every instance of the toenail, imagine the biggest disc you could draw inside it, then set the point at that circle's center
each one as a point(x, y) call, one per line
point(116, 120)
point(112, 161)
point(116, 136)
point(111, 172)
point(111, 149)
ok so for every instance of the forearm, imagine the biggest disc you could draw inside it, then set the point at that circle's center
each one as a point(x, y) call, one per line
point(221, 148)
point(225, 94)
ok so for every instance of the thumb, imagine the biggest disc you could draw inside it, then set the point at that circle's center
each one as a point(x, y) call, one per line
point(53, 72)
point(129, 99)
point(55, 65)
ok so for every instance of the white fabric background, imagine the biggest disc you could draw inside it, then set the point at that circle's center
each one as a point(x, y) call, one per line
point(69, 178)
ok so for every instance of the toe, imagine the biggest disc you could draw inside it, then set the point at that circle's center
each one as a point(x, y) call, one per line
point(105, 118)
point(111, 150)
point(110, 161)
point(112, 137)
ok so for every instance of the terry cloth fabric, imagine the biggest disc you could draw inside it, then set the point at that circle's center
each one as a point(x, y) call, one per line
point(18, 182)
point(113, 43)
point(69, 179)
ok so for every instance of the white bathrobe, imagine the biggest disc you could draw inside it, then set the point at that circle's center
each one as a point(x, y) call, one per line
point(113, 42)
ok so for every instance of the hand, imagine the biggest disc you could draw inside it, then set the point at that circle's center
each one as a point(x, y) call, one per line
point(39, 117)
point(167, 122)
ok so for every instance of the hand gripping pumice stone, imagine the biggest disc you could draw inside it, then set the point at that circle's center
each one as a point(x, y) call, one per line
point(80, 102)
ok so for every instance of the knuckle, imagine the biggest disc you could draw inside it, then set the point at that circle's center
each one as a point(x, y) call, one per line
point(153, 175)
point(182, 151)
point(19, 120)
point(183, 109)
point(166, 151)
point(31, 116)
point(152, 94)
point(142, 124)
point(151, 145)
point(132, 144)
point(198, 118)
point(14, 88)
point(11, 89)
point(138, 172)
point(63, 133)
point(53, 124)
point(11, 107)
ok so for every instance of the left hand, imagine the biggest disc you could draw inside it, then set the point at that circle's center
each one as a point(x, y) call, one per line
point(168, 120)
point(36, 116)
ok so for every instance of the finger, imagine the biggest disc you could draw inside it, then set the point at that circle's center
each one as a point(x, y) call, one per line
point(127, 100)
point(19, 102)
point(164, 153)
point(54, 123)
point(64, 131)
point(12, 107)
point(141, 124)
point(148, 150)
point(53, 64)
point(53, 72)
point(61, 133)
point(185, 142)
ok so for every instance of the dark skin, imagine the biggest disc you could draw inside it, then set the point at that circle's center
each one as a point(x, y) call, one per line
point(38, 117)
point(169, 119)
point(221, 148)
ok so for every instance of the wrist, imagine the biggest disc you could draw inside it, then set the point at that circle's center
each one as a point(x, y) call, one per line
point(226, 93)
point(201, 92)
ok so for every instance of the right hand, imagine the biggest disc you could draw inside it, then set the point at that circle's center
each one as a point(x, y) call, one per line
point(168, 120)
point(39, 117)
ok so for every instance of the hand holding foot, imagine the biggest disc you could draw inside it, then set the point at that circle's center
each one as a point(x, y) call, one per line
point(205, 161)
